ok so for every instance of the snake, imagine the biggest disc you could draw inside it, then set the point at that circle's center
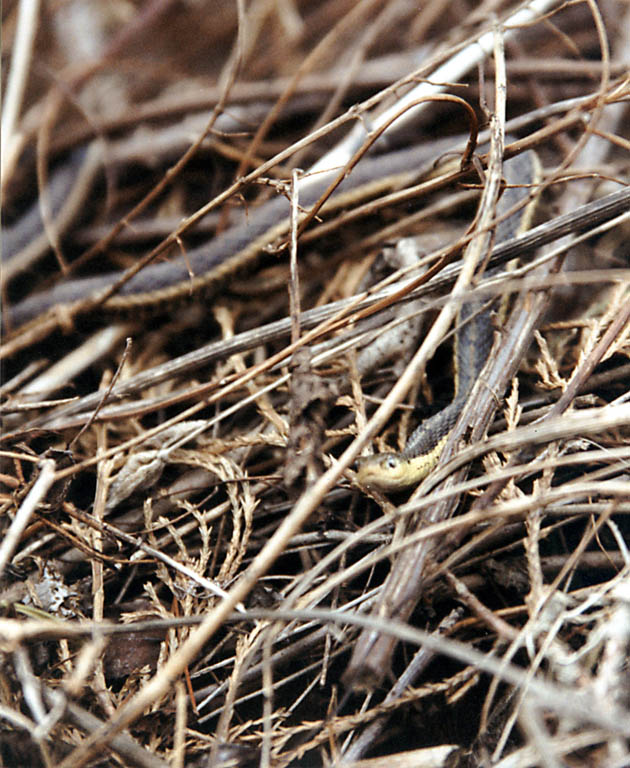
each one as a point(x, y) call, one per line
point(207, 266)
point(395, 471)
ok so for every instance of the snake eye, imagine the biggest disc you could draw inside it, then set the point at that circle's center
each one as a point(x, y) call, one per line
point(391, 462)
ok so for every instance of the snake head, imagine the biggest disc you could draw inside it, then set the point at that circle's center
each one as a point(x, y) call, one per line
point(384, 471)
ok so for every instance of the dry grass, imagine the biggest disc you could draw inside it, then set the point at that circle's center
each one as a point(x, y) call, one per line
point(190, 574)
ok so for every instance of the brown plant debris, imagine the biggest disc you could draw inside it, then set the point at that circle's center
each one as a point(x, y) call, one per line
point(190, 574)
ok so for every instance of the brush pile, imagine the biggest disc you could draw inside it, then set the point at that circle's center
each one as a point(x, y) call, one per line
point(190, 572)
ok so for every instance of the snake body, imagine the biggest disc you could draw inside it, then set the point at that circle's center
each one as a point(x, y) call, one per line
point(395, 471)
point(208, 265)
